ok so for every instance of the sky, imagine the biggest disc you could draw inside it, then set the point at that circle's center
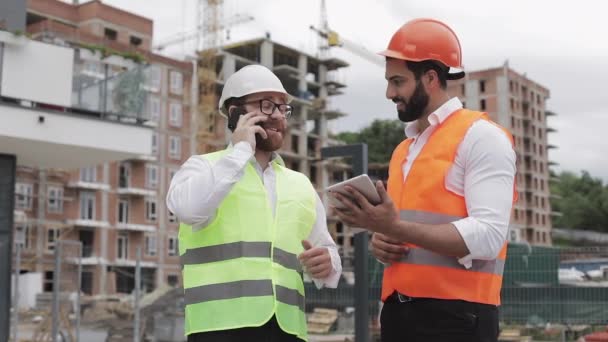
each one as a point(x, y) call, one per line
point(562, 45)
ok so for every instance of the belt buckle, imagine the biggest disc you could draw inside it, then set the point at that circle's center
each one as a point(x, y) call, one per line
point(403, 298)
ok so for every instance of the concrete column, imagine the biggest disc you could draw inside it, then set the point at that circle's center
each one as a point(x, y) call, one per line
point(103, 275)
point(266, 54)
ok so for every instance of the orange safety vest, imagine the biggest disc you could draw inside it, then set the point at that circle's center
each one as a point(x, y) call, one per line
point(423, 198)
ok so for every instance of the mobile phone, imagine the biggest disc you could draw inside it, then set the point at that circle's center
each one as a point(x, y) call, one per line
point(233, 119)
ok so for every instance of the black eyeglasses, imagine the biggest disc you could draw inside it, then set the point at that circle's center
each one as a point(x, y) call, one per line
point(267, 107)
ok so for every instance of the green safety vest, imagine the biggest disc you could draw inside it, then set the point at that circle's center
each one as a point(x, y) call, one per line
point(242, 268)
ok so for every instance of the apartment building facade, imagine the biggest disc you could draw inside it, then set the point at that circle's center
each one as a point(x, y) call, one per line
point(519, 104)
point(111, 208)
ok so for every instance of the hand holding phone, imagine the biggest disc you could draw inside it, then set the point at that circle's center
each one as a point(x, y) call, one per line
point(246, 126)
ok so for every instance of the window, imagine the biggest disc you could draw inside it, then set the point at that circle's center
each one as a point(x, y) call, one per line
point(151, 210)
point(150, 245)
point(54, 200)
point(123, 211)
point(152, 176)
point(135, 41)
point(154, 108)
point(22, 236)
point(176, 85)
point(482, 104)
point(110, 34)
point(124, 175)
point(88, 174)
point(87, 205)
point(482, 86)
point(122, 246)
point(172, 217)
point(513, 234)
point(52, 235)
point(172, 250)
point(23, 196)
point(155, 138)
point(172, 173)
point(153, 76)
point(462, 89)
point(175, 147)
point(172, 280)
point(175, 114)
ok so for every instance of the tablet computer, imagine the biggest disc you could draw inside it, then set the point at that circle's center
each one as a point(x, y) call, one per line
point(362, 183)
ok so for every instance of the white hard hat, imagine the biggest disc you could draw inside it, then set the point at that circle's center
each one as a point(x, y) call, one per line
point(249, 80)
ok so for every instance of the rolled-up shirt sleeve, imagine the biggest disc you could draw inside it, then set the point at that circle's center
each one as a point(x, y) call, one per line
point(489, 175)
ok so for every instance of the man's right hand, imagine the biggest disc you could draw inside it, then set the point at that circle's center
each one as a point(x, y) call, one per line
point(246, 129)
point(387, 250)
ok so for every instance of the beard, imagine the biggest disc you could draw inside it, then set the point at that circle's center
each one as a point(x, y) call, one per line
point(415, 107)
point(274, 141)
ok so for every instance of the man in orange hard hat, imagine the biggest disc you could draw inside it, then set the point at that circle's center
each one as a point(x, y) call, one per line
point(442, 225)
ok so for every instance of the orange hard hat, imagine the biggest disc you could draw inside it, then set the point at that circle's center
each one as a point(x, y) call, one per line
point(427, 39)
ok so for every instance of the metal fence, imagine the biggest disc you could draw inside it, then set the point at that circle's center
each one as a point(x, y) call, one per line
point(541, 285)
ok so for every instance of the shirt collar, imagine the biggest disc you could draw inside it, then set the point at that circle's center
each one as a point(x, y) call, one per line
point(274, 157)
point(436, 117)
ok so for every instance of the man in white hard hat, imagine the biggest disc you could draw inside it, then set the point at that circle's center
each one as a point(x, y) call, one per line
point(249, 225)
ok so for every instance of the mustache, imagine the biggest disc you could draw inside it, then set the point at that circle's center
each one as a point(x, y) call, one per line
point(398, 100)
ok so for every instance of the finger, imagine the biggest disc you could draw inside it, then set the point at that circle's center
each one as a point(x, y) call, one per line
point(347, 202)
point(359, 198)
point(318, 260)
point(389, 247)
point(252, 120)
point(387, 239)
point(389, 257)
point(382, 192)
point(320, 271)
point(260, 131)
point(243, 118)
point(311, 253)
point(306, 244)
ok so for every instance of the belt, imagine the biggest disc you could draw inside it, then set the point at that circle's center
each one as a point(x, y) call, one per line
point(400, 298)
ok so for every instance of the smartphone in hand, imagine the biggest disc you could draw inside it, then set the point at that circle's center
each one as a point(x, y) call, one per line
point(235, 114)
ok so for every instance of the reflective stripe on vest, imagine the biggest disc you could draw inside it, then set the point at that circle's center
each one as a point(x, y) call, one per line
point(234, 250)
point(419, 256)
point(242, 288)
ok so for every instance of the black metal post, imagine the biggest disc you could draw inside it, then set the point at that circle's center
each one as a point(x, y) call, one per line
point(358, 155)
point(8, 168)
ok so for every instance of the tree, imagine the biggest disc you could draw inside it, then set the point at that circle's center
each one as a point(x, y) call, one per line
point(582, 201)
point(381, 137)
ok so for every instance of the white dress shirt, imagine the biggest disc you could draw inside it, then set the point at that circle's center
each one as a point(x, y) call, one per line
point(483, 172)
point(199, 187)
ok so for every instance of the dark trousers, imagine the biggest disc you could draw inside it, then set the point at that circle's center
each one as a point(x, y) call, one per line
point(408, 319)
point(269, 332)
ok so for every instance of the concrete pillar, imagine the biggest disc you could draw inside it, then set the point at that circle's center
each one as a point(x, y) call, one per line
point(266, 54)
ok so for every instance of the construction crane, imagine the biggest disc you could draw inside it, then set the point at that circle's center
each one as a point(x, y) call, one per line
point(181, 37)
point(335, 40)
point(330, 38)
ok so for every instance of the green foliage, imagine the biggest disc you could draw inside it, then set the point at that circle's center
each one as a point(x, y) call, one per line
point(582, 200)
point(106, 51)
point(381, 137)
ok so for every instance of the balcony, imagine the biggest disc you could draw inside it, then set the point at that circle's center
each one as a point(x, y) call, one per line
point(132, 263)
point(88, 223)
point(135, 227)
point(127, 190)
point(88, 185)
point(63, 107)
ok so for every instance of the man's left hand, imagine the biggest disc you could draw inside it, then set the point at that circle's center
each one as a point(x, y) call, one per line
point(359, 212)
point(316, 260)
